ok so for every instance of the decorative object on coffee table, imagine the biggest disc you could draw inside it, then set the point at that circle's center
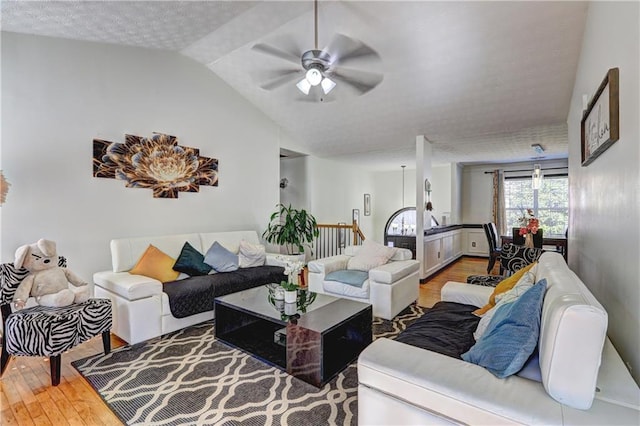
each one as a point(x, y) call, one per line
point(157, 163)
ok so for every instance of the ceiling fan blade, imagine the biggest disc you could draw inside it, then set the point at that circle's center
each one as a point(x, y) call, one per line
point(284, 78)
point(344, 49)
point(278, 53)
point(361, 81)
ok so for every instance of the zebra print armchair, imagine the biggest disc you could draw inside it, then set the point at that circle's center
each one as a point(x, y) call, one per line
point(45, 331)
point(513, 257)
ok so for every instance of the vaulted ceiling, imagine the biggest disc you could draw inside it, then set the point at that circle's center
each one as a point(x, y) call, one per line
point(483, 81)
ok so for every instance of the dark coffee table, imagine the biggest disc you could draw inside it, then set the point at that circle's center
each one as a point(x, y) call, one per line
point(313, 343)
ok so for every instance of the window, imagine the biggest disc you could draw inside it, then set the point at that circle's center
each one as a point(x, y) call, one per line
point(550, 203)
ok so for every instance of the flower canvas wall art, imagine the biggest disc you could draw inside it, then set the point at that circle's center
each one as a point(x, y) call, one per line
point(158, 163)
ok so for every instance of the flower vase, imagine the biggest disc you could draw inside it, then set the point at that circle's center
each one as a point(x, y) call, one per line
point(290, 296)
point(528, 240)
point(290, 308)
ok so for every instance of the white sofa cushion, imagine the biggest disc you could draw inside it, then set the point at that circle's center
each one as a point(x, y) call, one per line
point(129, 286)
point(572, 335)
point(393, 271)
point(341, 289)
point(454, 388)
point(370, 255)
point(476, 295)
point(328, 264)
point(251, 255)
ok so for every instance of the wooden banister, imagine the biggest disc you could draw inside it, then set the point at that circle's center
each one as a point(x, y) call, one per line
point(335, 237)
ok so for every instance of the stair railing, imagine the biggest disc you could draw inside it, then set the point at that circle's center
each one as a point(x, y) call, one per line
point(334, 238)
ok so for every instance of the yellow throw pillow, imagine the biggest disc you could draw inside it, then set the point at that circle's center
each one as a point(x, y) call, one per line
point(156, 264)
point(502, 287)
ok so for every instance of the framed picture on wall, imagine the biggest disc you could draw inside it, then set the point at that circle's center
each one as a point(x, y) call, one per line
point(600, 122)
point(355, 216)
point(367, 204)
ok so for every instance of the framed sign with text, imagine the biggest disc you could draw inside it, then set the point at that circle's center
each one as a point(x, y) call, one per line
point(600, 125)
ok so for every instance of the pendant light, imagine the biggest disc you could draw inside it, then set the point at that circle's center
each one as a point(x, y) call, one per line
point(403, 185)
point(536, 177)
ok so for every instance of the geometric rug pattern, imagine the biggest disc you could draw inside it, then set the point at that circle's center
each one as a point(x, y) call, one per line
point(189, 378)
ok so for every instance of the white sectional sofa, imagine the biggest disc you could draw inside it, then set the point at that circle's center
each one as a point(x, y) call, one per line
point(584, 380)
point(390, 287)
point(140, 307)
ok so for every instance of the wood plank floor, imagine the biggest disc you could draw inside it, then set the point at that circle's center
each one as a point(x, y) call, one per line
point(27, 397)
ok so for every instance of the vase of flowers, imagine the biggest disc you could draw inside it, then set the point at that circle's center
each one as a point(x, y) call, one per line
point(292, 270)
point(529, 225)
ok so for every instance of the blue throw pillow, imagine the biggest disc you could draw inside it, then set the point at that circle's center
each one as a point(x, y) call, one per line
point(191, 262)
point(221, 259)
point(511, 336)
point(350, 277)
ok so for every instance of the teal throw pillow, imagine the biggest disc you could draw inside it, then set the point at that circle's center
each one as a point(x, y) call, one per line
point(350, 277)
point(191, 262)
point(512, 334)
point(221, 259)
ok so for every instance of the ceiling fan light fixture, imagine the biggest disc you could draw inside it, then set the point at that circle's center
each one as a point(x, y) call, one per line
point(304, 86)
point(327, 85)
point(313, 76)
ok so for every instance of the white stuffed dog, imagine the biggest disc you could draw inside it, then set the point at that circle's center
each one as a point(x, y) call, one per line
point(47, 282)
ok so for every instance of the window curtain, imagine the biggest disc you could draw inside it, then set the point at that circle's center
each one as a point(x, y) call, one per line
point(498, 211)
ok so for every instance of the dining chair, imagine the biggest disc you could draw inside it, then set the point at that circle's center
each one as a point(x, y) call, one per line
point(44, 331)
point(512, 258)
point(494, 250)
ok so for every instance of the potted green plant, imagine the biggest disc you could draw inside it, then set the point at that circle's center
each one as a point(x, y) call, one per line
point(292, 228)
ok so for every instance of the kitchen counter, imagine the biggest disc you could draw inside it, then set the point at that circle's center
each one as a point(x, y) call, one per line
point(440, 229)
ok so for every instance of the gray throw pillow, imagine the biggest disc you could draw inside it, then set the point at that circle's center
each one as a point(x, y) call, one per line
point(221, 259)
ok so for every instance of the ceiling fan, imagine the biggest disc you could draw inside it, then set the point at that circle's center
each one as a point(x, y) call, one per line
point(322, 70)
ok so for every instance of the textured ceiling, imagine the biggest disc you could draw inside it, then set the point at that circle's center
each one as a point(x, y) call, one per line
point(481, 80)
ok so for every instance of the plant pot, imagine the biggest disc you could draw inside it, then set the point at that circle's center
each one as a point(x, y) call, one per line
point(290, 296)
point(290, 308)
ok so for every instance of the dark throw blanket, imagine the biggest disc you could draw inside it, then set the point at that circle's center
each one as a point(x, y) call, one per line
point(447, 328)
point(195, 294)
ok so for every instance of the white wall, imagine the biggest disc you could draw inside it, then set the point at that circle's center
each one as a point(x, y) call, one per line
point(388, 190)
point(441, 191)
point(388, 197)
point(604, 231)
point(58, 95)
point(335, 188)
point(296, 193)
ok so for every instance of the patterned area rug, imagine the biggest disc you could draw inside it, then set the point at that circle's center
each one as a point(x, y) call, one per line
point(189, 378)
